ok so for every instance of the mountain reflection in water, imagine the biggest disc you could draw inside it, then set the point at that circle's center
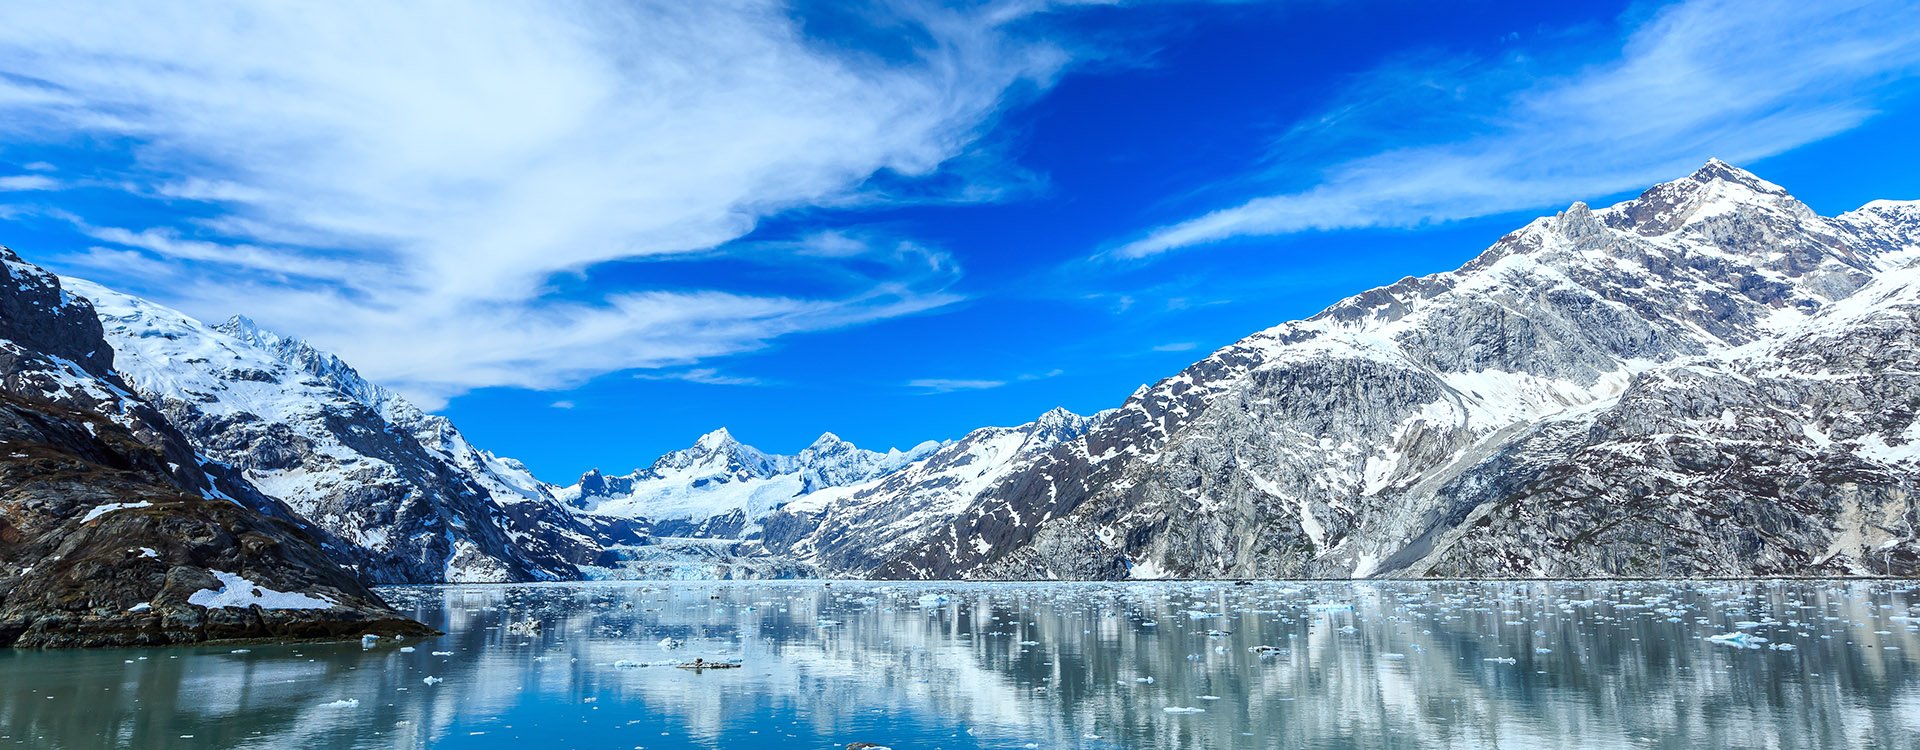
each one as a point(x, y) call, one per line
point(954, 666)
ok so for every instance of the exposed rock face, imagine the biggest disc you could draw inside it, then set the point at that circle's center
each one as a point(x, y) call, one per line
point(852, 529)
point(1687, 372)
point(113, 531)
point(410, 498)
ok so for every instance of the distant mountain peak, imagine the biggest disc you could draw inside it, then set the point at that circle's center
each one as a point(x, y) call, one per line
point(716, 440)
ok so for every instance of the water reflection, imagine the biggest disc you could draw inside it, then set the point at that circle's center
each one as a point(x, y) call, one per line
point(1183, 665)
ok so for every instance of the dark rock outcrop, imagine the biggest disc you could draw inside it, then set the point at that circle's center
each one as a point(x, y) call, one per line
point(113, 531)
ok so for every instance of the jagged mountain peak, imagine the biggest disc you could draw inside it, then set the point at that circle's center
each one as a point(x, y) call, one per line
point(716, 440)
point(1716, 170)
point(1716, 189)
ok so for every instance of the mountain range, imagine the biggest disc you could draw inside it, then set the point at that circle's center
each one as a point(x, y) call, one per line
point(1710, 379)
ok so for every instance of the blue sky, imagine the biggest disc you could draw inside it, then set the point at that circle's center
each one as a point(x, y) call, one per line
point(589, 232)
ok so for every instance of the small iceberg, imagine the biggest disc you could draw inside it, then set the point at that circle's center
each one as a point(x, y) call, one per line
point(1738, 640)
point(1184, 710)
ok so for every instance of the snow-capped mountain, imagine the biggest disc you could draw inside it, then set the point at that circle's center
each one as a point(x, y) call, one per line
point(114, 530)
point(721, 488)
point(1709, 379)
point(408, 495)
point(851, 529)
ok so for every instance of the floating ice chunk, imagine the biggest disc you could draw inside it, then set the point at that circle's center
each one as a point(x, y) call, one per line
point(627, 664)
point(433, 680)
point(933, 600)
point(442, 653)
point(670, 643)
point(343, 703)
point(1738, 640)
point(367, 641)
point(1780, 646)
point(1394, 657)
point(1184, 710)
point(1219, 633)
point(1501, 660)
point(406, 649)
point(1329, 608)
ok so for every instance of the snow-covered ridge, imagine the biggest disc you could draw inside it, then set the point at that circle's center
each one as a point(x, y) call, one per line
point(417, 500)
point(720, 487)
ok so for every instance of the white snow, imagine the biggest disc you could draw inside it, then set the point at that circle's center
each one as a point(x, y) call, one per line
point(238, 592)
point(102, 510)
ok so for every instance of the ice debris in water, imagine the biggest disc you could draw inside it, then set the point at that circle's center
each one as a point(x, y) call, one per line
point(1738, 640)
point(433, 680)
point(1184, 710)
point(670, 643)
point(343, 703)
point(933, 600)
point(367, 641)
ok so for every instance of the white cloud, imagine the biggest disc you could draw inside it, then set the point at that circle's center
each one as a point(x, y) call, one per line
point(562, 404)
point(410, 184)
point(949, 385)
point(1181, 346)
point(21, 182)
point(701, 375)
point(1741, 80)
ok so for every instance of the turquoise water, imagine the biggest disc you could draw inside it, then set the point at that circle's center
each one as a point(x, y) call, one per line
point(956, 666)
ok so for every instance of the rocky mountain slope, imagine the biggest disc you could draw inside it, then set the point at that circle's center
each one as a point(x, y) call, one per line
point(851, 529)
point(407, 496)
point(114, 530)
point(1710, 379)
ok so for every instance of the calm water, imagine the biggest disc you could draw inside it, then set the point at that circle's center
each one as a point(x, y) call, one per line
point(1047, 665)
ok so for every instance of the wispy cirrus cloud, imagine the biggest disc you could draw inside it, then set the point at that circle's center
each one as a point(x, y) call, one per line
point(402, 183)
point(703, 376)
point(1741, 80)
point(934, 386)
point(23, 182)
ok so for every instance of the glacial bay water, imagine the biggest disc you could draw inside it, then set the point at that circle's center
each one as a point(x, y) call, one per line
point(958, 666)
